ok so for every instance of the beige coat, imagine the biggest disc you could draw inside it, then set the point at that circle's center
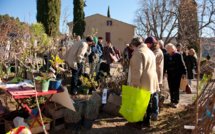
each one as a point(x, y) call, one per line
point(76, 54)
point(143, 69)
point(159, 64)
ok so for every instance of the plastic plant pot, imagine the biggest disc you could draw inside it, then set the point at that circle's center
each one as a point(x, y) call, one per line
point(55, 84)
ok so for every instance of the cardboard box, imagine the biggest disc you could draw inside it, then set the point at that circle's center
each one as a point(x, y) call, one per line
point(115, 99)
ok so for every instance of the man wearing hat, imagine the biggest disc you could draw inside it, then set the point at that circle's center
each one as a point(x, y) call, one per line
point(153, 45)
point(94, 56)
point(74, 58)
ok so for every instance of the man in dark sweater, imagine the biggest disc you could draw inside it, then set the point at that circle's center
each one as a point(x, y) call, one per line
point(179, 50)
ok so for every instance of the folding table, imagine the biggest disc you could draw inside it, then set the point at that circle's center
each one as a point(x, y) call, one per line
point(20, 99)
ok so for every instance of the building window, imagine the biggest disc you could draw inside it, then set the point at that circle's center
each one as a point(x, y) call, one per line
point(107, 36)
point(109, 23)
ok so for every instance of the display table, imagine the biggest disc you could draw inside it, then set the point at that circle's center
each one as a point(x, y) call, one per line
point(20, 93)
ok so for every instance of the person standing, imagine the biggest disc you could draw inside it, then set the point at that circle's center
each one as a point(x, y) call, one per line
point(75, 57)
point(161, 44)
point(78, 37)
point(108, 51)
point(153, 45)
point(143, 73)
point(180, 51)
point(94, 57)
point(191, 64)
point(208, 57)
point(174, 68)
point(126, 56)
point(83, 63)
point(100, 40)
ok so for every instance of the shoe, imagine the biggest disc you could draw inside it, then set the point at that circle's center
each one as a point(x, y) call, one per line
point(154, 117)
point(170, 104)
point(134, 125)
point(74, 93)
point(175, 105)
point(148, 125)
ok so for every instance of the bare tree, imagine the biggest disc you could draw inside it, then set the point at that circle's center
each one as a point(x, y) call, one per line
point(157, 18)
point(175, 18)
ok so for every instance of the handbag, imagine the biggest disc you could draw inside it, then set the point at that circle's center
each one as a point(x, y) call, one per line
point(135, 102)
point(114, 57)
point(183, 83)
point(188, 89)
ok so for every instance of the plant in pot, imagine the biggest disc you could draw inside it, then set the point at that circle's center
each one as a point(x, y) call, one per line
point(93, 83)
point(83, 88)
point(88, 84)
point(56, 82)
point(42, 83)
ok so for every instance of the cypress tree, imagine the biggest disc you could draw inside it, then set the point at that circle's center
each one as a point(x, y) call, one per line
point(78, 20)
point(188, 30)
point(48, 13)
point(108, 12)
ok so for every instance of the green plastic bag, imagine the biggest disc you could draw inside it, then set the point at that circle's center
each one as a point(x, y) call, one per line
point(134, 103)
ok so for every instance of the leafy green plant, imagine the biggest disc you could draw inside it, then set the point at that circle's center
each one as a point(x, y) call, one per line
point(202, 85)
point(44, 77)
point(89, 82)
point(94, 32)
point(2, 72)
point(56, 61)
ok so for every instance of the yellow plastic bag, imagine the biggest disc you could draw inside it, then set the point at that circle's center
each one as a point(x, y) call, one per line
point(36, 124)
point(134, 103)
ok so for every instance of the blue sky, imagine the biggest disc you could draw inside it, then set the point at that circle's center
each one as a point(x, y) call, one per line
point(123, 10)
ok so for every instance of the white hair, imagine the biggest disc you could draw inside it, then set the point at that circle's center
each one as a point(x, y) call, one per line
point(171, 45)
point(138, 37)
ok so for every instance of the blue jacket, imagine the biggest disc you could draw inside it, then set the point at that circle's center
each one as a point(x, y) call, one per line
point(94, 49)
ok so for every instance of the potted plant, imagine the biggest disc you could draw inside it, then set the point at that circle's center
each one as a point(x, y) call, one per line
point(88, 84)
point(83, 88)
point(42, 83)
point(56, 82)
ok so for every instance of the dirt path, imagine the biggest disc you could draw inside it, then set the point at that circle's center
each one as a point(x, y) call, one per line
point(185, 98)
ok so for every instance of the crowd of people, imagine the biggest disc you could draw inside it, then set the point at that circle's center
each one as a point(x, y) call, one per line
point(146, 62)
point(92, 50)
point(151, 62)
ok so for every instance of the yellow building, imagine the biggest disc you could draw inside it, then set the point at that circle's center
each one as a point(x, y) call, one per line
point(118, 32)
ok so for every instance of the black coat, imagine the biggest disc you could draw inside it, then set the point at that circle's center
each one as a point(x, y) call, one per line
point(191, 63)
point(174, 65)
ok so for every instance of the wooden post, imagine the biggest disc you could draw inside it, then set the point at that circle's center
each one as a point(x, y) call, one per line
point(199, 60)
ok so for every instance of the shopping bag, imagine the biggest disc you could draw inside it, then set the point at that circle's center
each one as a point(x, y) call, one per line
point(134, 103)
point(183, 83)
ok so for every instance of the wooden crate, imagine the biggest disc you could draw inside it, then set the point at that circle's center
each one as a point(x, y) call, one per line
point(9, 126)
point(56, 112)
